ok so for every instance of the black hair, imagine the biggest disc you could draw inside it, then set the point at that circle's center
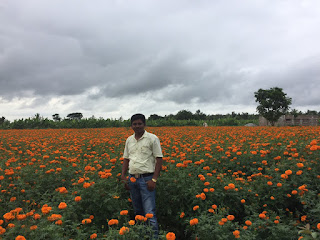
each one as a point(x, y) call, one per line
point(138, 116)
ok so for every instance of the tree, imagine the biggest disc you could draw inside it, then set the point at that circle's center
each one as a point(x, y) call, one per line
point(273, 103)
point(184, 115)
point(56, 117)
point(75, 116)
point(2, 119)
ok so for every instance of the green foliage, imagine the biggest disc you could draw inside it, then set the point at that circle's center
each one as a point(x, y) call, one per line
point(273, 103)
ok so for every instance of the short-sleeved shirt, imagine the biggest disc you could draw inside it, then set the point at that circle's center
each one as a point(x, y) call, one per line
point(142, 153)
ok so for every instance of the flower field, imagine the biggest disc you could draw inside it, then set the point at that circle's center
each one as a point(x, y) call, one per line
point(216, 183)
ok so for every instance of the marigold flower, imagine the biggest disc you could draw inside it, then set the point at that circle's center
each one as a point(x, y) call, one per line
point(113, 222)
point(62, 205)
point(19, 237)
point(195, 208)
point(77, 198)
point(300, 165)
point(58, 222)
point(248, 222)
point(93, 236)
point(236, 233)
point(230, 217)
point(132, 179)
point(86, 221)
point(262, 215)
point(182, 215)
point(194, 221)
point(33, 227)
point(124, 212)
point(131, 222)
point(170, 236)
point(123, 230)
point(2, 230)
point(224, 220)
point(139, 218)
point(303, 218)
point(45, 209)
point(36, 216)
point(149, 215)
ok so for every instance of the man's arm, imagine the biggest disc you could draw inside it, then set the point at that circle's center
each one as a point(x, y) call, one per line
point(157, 168)
point(124, 171)
point(151, 183)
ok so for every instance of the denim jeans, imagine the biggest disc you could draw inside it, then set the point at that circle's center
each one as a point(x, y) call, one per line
point(144, 201)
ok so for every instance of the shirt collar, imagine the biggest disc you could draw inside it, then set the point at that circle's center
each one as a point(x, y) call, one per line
point(144, 135)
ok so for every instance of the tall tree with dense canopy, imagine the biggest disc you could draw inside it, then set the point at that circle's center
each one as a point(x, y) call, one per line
point(273, 103)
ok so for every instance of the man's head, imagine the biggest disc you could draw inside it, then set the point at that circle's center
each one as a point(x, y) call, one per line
point(138, 122)
point(138, 116)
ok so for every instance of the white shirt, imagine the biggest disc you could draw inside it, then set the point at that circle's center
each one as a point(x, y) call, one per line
point(142, 153)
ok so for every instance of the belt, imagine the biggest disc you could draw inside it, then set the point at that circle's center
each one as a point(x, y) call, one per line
point(138, 175)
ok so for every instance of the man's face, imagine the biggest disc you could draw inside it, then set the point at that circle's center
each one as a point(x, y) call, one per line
point(138, 126)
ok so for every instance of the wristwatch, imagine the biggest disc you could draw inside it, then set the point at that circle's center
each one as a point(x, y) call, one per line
point(154, 180)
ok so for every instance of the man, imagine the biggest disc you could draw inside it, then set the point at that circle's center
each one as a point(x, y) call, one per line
point(143, 158)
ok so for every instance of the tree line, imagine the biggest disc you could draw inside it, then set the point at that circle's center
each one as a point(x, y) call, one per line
point(273, 103)
point(182, 118)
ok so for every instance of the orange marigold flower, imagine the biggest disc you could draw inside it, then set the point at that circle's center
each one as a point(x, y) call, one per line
point(20, 237)
point(195, 207)
point(2, 230)
point(248, 222)
point(170, 236)
point(33, 227)
point(303, 218)
point(149, 215)
point(45, 209)
point(131, 222)
point(236, 233)
point(62, 205)
point(132, 179)
point(230, 217)
point(93, 236)
point(124, 212)
point(182, 215)
point(77, 198)
point(300, 165)
point(262, 215)
point(288, 172)
point(243, 201)
point(113, 222)
point(86, 221)
point(139, 218)
point(224, 220)
point(58, 222)
point(123, 230)
point(194, 221)
point(36, 216)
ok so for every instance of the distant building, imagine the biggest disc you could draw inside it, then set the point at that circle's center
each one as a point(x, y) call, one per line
point(291, 120)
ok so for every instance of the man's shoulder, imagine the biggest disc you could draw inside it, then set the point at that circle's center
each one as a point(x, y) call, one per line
point(130, 137)
point(151, 135)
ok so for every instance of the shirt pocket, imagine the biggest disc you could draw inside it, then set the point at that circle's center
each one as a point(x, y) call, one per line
point(146, 151)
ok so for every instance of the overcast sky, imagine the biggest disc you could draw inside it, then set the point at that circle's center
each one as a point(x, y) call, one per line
point(113, 58)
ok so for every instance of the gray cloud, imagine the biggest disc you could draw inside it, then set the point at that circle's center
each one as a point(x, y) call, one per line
point(183, 53)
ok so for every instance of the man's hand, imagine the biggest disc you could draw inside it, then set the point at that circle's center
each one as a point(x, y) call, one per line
point(151, 185)
point(125, 181)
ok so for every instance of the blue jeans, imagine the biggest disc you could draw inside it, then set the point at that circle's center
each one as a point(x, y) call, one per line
point(144, 201)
